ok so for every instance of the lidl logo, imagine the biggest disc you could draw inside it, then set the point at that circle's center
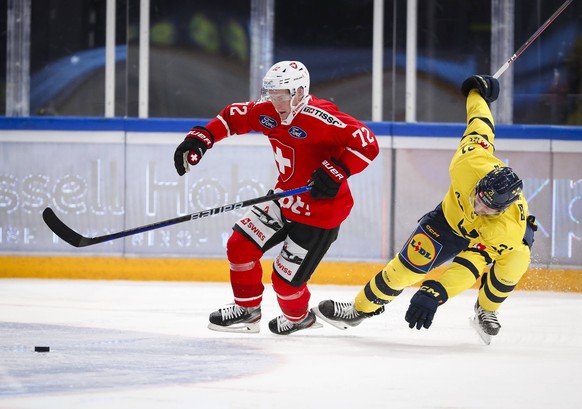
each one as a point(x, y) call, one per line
point(420, 250)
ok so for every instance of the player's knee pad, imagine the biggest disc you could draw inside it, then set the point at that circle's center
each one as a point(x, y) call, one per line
point(242, 253)
point(289, 261)
point(462, 274)
point(302, 251)
point(398, 276)
point(261, 224)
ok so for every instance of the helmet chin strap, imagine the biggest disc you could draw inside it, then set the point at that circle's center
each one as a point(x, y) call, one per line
point(295, 110)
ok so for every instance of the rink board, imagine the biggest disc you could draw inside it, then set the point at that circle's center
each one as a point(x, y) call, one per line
point(210, 270)
point(102, 176)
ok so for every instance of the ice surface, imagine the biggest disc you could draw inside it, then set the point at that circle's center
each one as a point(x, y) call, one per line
point(119, 344)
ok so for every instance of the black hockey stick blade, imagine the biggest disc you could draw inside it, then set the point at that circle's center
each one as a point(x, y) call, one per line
point(61, 229)
point(75, 239)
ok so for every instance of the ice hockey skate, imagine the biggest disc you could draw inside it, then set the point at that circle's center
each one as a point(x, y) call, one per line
point(234, 318)
point(341, 315)
point(282, 326)
point(485, 323)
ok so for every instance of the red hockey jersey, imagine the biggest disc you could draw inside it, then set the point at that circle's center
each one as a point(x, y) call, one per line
point(318, 132)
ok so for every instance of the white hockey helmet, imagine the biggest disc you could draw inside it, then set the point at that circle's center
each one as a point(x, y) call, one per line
point(289, 75)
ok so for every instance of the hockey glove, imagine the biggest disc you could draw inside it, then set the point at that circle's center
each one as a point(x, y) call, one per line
point(326, 181)
point(487, 86)
point(424, 303)
point(530, 229)
point(190, 152)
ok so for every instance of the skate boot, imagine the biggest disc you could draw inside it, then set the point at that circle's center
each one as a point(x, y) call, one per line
point(282, 326)
point(342, 315)
point(485, 323)
point(234, 318)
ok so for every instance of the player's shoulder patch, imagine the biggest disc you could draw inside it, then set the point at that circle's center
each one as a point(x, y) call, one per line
point(322, 115)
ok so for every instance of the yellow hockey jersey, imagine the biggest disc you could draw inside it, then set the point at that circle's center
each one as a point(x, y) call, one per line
point(472, 161)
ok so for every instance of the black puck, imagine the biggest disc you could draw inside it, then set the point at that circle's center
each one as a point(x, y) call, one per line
point(42, 349)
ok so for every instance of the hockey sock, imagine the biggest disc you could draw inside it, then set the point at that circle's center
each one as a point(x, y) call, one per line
point(294, 301)
point(246, 273)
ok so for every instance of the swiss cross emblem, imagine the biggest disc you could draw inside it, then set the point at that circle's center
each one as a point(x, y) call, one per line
point(284, 159)
point(193, 157)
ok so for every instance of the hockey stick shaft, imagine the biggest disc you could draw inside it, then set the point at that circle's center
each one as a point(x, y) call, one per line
point(530, 40)
point(75, 239)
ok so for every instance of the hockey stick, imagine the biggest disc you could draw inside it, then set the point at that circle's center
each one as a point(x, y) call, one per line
point(530, 40)
point(75, 239)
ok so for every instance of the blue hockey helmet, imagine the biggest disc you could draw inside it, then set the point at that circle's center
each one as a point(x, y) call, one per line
point(499, 188)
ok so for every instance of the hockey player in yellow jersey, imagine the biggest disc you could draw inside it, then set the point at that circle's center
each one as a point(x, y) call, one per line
point(482, 221)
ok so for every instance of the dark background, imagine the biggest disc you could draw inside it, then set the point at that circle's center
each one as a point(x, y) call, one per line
point(200, 56)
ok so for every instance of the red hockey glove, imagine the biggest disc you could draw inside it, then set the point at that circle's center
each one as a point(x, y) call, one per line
point(326, 181)
point(424, 303)
point(190, 152)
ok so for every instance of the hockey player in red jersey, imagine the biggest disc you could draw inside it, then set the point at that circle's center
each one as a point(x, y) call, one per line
point(313, 143)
